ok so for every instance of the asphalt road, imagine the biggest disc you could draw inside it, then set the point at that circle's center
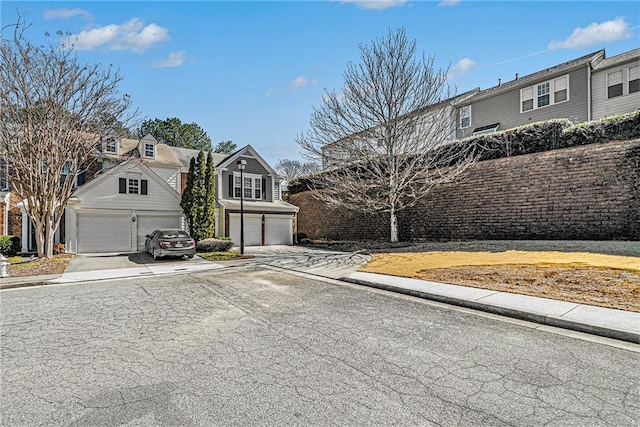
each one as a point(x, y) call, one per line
point(266, 348)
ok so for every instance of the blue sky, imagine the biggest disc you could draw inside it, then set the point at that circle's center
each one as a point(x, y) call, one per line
point(251, 72)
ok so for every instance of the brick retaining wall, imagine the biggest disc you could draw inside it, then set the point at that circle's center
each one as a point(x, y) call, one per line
point(588, 192)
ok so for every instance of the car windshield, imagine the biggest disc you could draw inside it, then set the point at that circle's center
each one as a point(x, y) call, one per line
point(172, 234)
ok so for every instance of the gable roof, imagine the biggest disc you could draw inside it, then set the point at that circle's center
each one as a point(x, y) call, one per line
point(229, 162)
point(125, 166)
point(593, 58)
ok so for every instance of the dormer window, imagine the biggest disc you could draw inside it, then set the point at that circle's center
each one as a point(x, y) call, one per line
point(111, 146)
point(149, 150)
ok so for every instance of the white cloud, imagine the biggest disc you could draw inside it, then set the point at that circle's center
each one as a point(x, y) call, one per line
point(594, 33)
point(133, 35)
point(461, 68)
point(376, 4)
point(445, 3)
point(175, 59)
point(64, 13)
point(302, 81)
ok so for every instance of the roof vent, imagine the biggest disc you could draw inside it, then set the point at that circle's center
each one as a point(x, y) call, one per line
point(516, 76)
point(499, 82)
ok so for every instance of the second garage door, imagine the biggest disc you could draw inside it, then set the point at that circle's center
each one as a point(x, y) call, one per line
point(104, 233)
point(148, 223)
point(278, 229)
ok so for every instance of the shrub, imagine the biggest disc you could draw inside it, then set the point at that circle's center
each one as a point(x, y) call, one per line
point(9, 245)
point(306, 241)
point(59, 248)
point(214, 245)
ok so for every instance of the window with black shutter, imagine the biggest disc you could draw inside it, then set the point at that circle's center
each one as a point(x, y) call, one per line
point(143, 187)
point(122, 186)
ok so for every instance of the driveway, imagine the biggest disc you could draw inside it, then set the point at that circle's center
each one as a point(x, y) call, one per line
point(113, 266)
point(259, 347)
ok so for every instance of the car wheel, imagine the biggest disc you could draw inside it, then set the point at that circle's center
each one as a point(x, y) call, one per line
point(189, 256)
point(155, 254)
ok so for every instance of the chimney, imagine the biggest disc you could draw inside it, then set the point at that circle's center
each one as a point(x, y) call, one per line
point(516, 76)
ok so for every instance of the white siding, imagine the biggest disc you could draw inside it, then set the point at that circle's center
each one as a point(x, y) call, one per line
point(170, 175)
point(603, 107)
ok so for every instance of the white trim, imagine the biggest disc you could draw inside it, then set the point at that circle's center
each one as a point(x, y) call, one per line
point(254, 178)
point(7, 200)
point(463, 115)
point(532, 92)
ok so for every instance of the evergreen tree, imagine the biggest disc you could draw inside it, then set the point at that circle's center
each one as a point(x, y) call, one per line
point(210, 197)
point(198, 198)
point(186, 203)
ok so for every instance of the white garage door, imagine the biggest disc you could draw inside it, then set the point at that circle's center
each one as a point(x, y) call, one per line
point(148, 223)
point(252, 229)
point(278, 230)
point(104, 233)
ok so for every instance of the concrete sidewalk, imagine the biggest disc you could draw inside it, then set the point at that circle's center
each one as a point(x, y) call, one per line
point(610, 323)
point(607, 322)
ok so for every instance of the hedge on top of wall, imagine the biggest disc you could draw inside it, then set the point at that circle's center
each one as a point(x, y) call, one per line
point(554, 134)
point(538, 137)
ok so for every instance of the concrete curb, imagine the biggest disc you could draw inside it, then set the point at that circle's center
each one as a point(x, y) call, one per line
point(24, 282)
point(509, 312)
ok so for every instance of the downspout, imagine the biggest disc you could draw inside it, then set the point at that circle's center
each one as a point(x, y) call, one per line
point(589, 92)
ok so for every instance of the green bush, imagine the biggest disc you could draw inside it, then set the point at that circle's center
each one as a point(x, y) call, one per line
point(214, 245)
point(556, 133)
point(9, 245)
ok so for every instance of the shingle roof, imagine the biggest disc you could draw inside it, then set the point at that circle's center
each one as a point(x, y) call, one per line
point(619, 59)
point(184, 156)
point(594, 57)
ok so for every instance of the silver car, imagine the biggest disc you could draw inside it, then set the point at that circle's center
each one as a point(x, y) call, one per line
point(170, 242)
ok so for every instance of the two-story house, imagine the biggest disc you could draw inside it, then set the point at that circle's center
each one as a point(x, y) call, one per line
point(586, 88)
point(561, 91)
point(138, 189)
point(615, 84)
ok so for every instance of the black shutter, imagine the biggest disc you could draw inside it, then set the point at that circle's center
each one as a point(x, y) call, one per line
point(231, 195)
point(122, 182)
point(264, 188)
point(81, 179)
point(143, 187)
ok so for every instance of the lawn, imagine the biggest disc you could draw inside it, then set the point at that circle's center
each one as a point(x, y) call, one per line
point(586, 278)
point(222, 256)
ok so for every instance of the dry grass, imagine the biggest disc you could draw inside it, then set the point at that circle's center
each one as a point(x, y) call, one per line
point(586, 278)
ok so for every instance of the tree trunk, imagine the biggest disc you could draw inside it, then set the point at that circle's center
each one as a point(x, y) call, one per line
point(394, 225)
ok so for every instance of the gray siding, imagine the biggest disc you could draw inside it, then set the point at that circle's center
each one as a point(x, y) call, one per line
point(603, 107)
point(253, 167)
point(504, 108)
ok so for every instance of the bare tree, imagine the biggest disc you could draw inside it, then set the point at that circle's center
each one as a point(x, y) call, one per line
point(54, 110)
point(290, 169)
point(386, 139)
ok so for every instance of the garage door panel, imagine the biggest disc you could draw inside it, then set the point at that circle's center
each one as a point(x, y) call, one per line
point(148, 223)
point(278, 230)
point(104, 233)
point(252, 229)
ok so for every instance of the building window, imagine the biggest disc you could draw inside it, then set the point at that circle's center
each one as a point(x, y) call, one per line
point(614, 84)
point(526, 96)
point(133, 186)
point(560, 89)
point(465, 117)
point(634, 78)
point(543, 94)
point(149, 150)
point(111, 146)
point(252, 186)
point(540, 95)
point(4, 175)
